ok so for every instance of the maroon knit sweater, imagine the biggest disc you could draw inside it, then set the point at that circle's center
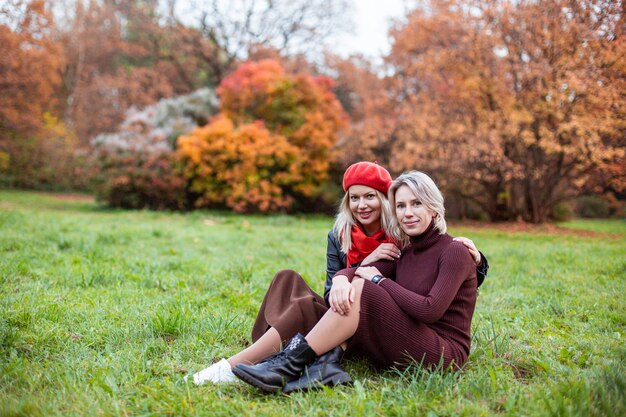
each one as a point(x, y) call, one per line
point(424, 309)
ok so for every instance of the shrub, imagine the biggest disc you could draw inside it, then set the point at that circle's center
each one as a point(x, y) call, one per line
point(592, 206)
point(272, 144)
point(563, 211)
point(49, 160)
point(135, 167)
point(141, 179)
point(244, 168)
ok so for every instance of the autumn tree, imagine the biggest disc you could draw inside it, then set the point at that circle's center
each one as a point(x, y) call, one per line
point(272, 144)
point(512, 105)
point(568, 103)
point(126, 53)
point(132, 52)
point(293, 27)
point(30, 61)
point(374, 117)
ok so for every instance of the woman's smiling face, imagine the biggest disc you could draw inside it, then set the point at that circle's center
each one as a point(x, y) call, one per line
point(413, 217)
point(365, 207)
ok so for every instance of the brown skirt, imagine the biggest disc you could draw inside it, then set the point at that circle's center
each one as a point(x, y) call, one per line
point(290, 306)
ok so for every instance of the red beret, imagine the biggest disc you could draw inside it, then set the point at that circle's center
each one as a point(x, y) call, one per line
point(367, 173)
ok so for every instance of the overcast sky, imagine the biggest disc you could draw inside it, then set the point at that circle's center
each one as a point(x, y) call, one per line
point(371, 23)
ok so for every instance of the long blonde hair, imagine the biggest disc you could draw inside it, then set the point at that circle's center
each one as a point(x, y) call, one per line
point(428, 194)
point(345, 220)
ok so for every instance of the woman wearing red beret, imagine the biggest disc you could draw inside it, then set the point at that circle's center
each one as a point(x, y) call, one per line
point(360, 236)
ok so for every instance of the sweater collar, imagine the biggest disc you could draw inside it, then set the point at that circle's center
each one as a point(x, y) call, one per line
point(430, 236)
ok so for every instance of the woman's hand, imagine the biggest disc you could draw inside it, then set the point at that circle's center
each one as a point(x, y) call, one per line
point(472, 249)
point(387, 251)
point(341, 295)
point(367, 272)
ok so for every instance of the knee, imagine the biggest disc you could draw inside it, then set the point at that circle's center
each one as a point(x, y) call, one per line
point(286, 276)
point(358, 284)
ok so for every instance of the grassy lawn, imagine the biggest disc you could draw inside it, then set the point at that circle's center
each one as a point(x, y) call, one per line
point(102, 312)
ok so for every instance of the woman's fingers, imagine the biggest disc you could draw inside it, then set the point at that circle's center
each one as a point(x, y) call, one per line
point(332, 302)
point(345, 300)
point(389, 249)
point(474, 253)
point(383, 255)
point(471, 246)
point(340, 300)
point(393, 253)
point(337, 302)
point(340, 305)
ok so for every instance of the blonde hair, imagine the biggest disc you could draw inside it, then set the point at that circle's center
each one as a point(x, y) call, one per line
point(345, 220)
point(427, 193)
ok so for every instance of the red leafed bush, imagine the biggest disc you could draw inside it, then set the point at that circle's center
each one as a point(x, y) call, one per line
point(139, 179)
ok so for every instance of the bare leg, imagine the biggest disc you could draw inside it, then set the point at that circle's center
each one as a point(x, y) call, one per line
point(334, 329)
point(266, 345)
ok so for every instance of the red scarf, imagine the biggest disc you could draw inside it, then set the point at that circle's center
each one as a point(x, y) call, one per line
point(363, 245)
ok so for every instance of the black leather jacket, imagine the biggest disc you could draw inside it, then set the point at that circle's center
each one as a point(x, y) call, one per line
point(336, 260)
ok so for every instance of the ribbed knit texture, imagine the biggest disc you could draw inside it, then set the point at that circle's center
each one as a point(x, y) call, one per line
point(423, 312)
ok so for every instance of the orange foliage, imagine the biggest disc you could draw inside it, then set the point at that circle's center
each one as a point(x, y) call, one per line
point(29, 70)
point(263, 91)
point(121, 54)
point(374, 117)
point(272, 144)
point(35, 148)
point(510, 104)
point(244, 168)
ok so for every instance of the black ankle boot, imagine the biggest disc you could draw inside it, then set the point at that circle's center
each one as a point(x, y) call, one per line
point(326, 370)
point(271, 375)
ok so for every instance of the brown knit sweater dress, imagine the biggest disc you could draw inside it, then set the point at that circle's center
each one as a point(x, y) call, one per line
point(422, 313)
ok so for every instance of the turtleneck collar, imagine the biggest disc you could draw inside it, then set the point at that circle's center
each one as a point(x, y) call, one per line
point(425, 240)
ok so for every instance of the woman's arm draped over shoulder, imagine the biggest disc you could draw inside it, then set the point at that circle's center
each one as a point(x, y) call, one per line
point(455, 266)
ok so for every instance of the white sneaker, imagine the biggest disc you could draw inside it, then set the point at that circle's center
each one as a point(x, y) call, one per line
point(218, 373)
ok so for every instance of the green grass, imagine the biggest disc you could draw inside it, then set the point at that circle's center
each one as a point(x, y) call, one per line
point(102, 312)
point(597, 225)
